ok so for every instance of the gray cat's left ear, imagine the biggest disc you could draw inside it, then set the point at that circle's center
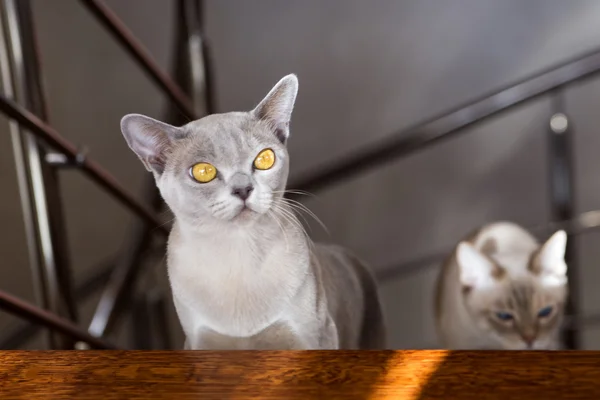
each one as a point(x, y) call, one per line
point(550, 259)
point(150, 139)
point(277, 106)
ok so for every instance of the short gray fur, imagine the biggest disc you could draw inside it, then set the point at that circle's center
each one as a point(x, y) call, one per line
point(244, 273)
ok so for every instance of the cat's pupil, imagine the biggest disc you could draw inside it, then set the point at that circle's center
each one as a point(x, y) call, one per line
point(504, 316)
point(544, 312)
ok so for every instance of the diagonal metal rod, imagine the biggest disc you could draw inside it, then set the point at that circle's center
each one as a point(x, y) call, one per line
point(17, 336)
point(23, 309)
point(445, 126)
point(87, 165)
point(39, 183)
point(134, 47)
point(120, 288)
point(586, 222)
point(193, 73)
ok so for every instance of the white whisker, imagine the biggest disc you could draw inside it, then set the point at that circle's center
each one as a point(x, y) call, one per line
point(163, 224)
point(302, 208)
point(285, 238)
point(290, 216)
point(296, 191)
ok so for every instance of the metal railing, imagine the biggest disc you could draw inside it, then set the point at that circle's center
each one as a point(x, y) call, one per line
point(22, 100)
point(126, 266)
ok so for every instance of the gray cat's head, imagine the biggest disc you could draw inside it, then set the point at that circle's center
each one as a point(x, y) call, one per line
point(221, 168)
point(517, 298)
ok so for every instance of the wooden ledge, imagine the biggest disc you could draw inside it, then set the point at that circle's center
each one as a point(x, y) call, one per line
point(398, 375)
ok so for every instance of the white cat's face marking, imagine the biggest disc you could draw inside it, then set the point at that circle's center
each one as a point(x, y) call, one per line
point(516, 298)
point(519, 313)
point(237, 191)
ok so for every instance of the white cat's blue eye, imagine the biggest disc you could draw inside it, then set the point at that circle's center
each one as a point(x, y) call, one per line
point(504, 316)
point(544, 312)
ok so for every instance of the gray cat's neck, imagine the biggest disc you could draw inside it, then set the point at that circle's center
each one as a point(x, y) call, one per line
point(245, 250)
point(264, 230)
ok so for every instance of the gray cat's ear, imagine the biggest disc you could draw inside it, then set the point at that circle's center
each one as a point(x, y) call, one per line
point(550, 260)
point(475, 269)
point(150, 139)
point(277, 106)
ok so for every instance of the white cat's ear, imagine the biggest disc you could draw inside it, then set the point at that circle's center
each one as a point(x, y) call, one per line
point(277, 106)
point(550, 260)
point(150, 139)
point(475, 269)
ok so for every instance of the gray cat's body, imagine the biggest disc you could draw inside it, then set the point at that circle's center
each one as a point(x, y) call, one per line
point(243, 272)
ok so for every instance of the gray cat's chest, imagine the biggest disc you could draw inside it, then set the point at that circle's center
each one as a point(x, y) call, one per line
point(230, 285)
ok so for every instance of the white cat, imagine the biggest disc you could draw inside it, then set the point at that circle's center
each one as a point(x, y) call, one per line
point(243, 272)
point(501, 290)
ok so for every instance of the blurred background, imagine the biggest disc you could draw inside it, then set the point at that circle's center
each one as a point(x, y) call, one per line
point(367, 71)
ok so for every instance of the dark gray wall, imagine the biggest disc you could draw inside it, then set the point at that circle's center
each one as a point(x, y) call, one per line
point(366, 69)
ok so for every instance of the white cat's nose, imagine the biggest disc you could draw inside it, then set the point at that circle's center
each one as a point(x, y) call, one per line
point(529, 339)
point(242, 192)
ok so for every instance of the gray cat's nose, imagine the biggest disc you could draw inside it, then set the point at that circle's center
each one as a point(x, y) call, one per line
point(242, 192)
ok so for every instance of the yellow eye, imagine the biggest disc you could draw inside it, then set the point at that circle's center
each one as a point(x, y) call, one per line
point(265, 159)
point(203, 172)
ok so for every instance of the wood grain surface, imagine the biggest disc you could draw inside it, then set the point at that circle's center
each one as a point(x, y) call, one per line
point(399, 375)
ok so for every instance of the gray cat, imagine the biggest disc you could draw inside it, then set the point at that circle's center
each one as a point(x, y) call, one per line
point(244, 273)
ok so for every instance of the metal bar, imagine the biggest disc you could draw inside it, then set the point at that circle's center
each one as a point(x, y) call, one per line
point(560, 137)
point(120, 286)
point(22, 333)
point(149, 318)
point(87, 165)
point(389, 274)
point(158, 309)
point(116, 290)
point(449, 124)
point(194, 68)
point(25, 195)
point(190, 73)
point(110, 21)
point(142, 323)
point(47, 183)
point(586, 222)
point(191, 69)
point(39, 183)
point(23, 309)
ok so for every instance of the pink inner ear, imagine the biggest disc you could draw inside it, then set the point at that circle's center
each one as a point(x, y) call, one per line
point(150, 139)
point(147, 145)
point(151, 148)
point(278, 104)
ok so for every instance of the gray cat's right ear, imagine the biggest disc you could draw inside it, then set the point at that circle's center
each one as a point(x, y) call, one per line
point(277, 106)
point(150, 139)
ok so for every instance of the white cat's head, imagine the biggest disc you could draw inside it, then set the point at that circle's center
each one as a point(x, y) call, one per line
point(224, 168)
point(518, 298)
